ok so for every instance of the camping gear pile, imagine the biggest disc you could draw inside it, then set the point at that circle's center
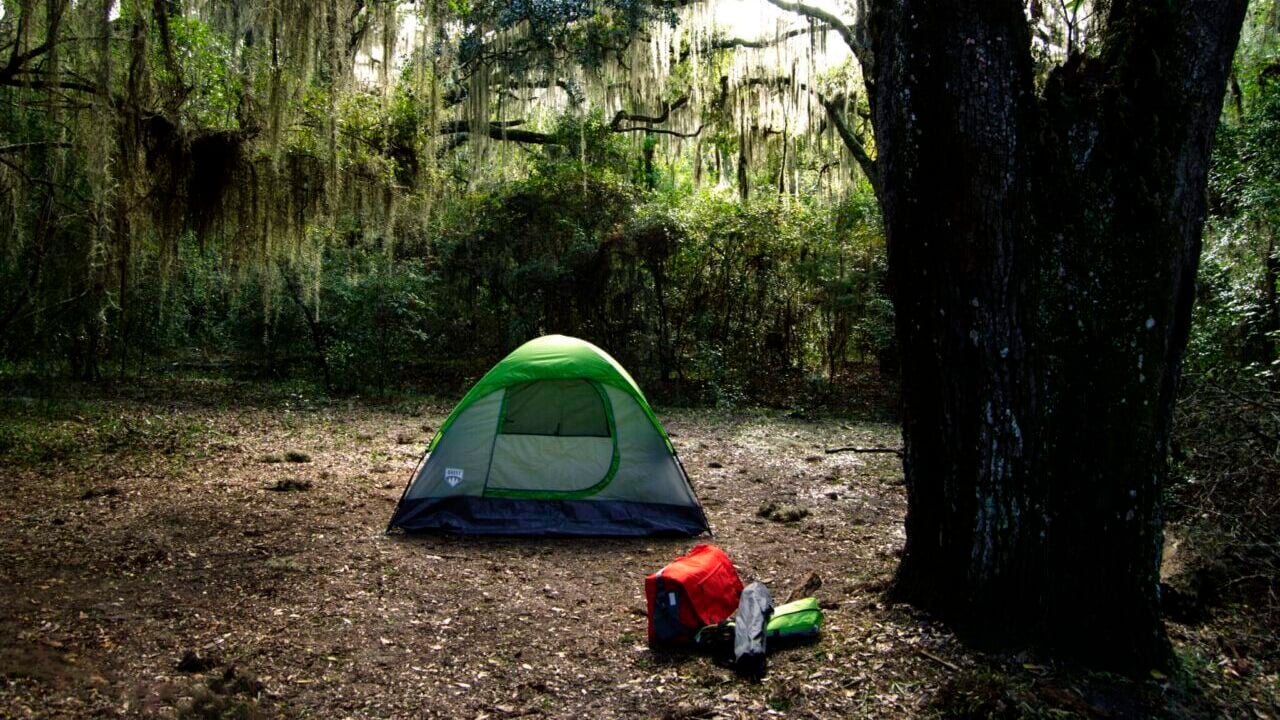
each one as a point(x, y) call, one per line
point(698, 601)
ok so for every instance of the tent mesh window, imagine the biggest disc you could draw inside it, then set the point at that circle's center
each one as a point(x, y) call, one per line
point(561, 408)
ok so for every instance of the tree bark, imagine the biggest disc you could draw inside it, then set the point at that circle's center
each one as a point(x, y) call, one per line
point(1042, 259)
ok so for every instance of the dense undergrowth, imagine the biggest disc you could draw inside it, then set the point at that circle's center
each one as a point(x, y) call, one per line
point(707, 298)
point(1222, 558)
point(1222, 554)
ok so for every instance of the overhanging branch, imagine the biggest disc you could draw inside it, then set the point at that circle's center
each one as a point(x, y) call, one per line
point(856, 148)
point(461, 126)
point(840, 26)
point(734, 43)
point(461, 130)
point(623, 116)
point(19, 147)
point(836, 113)
point(660, 131)
point(18, 81)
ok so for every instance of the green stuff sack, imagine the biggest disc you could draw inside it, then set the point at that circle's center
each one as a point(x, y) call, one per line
point(799, 620)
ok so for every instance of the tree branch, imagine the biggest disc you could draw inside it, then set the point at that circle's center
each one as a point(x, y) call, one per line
point(840, 26)
point(46, 84)
point(856, 148)
point(622, 115)
point(459, 94)
point(452, 127)
point(496, 131)
point(17, 61)
point(885, 450)
point(660, 131)
point(25, 175)
point(19, 147)
point(460, 130)
point(836, 113)
point(737, 42)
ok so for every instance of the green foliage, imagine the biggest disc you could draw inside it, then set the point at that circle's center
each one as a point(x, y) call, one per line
point(48, 431)
point(712, 298)
point(1226, 461)
point(258, 189)
point(718, 297)
point(207, 66)
point(1237, 318)
point(380, 324)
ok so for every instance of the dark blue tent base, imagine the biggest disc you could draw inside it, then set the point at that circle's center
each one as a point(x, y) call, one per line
point(471, 515)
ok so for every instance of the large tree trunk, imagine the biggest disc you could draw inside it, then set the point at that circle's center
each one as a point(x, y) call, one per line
point(1042, 257)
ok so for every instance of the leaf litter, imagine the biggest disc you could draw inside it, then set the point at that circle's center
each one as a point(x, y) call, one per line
point(194, 593)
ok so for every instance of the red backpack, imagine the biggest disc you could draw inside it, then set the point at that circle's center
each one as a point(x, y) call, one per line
point(694, 591)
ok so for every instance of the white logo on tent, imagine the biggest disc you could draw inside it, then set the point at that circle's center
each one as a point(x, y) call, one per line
point(453, 476)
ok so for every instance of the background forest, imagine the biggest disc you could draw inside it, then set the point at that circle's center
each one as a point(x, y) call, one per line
point(207, 188)
point(202, 190)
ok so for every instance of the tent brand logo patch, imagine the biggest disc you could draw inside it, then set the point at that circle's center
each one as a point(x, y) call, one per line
point(453, 476)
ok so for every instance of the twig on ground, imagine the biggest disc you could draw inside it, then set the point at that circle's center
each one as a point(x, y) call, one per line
point(940, 660)
point(895, 451)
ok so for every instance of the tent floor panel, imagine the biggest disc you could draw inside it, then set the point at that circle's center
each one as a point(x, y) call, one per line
point(472, 515)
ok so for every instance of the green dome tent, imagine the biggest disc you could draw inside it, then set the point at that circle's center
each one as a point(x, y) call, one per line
point(556, 439)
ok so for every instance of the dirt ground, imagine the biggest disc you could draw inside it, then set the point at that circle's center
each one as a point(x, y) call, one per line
point(198, 549)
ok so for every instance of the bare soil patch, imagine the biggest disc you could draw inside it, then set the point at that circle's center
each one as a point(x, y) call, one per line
point(158, 560)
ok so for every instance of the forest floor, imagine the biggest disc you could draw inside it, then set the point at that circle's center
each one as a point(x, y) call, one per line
point(214, 549)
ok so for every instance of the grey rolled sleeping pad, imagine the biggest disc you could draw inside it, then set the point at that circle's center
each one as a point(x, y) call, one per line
point(755, 607)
